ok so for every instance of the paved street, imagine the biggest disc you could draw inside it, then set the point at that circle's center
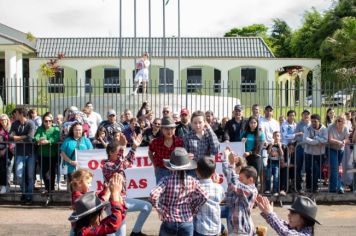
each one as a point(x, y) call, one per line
point(36, 220)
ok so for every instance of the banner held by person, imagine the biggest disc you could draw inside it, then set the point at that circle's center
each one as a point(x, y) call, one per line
point(140, 178)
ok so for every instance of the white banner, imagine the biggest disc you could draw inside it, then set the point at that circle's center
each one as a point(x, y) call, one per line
point(140, 178)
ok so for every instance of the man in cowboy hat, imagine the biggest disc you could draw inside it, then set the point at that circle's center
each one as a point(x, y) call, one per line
point(179, 196)
point(301, 217)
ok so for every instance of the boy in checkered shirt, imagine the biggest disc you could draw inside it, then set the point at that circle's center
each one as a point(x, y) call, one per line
point(241, 196)
point(116, 162)
point(208, 220)
point(179, 196)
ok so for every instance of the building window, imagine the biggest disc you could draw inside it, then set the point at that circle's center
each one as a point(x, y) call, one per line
point(248, 80)
point(111, 80)
point(217, 81)
point(168, 85)
point(56, 83)
point(194, 80)
point(88, 85)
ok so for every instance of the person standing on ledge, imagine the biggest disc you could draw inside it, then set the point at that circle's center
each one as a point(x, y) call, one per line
point(142, 73)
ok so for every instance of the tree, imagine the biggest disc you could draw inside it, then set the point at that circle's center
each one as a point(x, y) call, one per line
point(255, 30)
point(305, 42)
point(280, 38)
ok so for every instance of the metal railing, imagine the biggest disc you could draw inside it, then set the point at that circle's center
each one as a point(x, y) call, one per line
point(301, 173)
point(217, 96)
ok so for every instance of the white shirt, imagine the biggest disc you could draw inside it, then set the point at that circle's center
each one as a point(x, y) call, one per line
point(268, 127)
point(288, 132)
point(94, 120)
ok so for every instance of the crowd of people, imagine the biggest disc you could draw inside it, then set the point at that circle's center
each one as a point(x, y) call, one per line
point(182, 149)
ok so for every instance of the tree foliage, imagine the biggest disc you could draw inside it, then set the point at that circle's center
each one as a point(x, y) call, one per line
point(330, 36)
point(255, 30)
point(280, 38)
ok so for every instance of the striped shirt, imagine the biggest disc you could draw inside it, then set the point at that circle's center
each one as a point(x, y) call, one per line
point(208, 220)
point(283, 228)
point(178, 200)
point(240, 199)
point(206, 146)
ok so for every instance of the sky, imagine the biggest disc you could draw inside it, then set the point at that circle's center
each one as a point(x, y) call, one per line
point(101, 18)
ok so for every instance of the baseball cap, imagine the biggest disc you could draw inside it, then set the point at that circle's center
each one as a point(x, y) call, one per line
point(111, 112)
point(268, 107)
point(184, 111)
point(238, 107)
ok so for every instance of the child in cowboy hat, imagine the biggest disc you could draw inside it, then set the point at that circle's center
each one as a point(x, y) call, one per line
point(301, 217)
point(179, 196)
point(89, 207)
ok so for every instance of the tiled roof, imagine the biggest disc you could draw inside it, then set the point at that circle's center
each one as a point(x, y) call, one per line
point(16, 36)
point(239, 47)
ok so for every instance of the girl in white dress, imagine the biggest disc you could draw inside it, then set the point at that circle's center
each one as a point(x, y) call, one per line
point(142, 75)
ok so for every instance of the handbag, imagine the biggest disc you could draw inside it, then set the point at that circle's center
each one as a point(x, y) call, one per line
point(63, 168)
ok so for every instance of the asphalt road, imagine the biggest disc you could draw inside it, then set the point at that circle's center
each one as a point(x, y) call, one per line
point(37, 220)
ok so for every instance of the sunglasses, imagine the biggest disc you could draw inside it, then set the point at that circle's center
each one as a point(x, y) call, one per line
point(47, 121)
point(158, 124)
point(340, 121)
point(165, 111)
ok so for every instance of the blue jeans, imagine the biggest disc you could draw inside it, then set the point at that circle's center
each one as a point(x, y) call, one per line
point(25, 172)
point(176, 228)
point(132, 205)
point(312, 170)
point(335, 159)
point(160, 173)
point(225, 214)
point(272, 170)
point(299, 164)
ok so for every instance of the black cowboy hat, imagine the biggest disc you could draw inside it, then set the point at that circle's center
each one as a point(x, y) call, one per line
point(85, 205)
point(305, 207)
point(180, 160)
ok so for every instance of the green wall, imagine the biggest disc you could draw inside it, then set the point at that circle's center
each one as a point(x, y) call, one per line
point(207, 79)
point(70, 86)
point(97, 76)
point(249, 98)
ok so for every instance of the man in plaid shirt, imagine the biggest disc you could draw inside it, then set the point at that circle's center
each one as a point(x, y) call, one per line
point(208, 220)
point(178, 197)
point(201, 141)
point(241, 198)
